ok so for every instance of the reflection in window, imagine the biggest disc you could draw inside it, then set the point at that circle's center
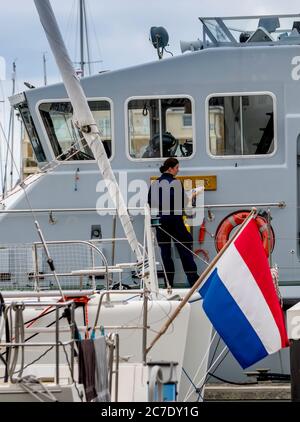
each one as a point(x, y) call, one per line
point(66, 140)
point(241, 125)
point(187, 120)
point(160, 128)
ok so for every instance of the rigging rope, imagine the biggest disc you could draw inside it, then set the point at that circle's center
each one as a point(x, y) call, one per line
point(202, 362)
point(30, 383)
point(188, 395)
point(182, 244)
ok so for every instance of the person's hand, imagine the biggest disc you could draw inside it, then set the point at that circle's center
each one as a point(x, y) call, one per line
point(196, 192)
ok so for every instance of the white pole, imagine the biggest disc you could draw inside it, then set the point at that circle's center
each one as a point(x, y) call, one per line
point(81, 15)
point(13, 128)
point(83, 118)
point(154, 286)
point(45, 69)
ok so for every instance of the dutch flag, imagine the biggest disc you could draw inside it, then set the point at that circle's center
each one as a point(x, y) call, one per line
point(240, 300)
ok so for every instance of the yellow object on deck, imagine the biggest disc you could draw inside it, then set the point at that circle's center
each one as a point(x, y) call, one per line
point(188, 227)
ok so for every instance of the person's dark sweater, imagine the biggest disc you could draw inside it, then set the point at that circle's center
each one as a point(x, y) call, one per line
point(167, 196)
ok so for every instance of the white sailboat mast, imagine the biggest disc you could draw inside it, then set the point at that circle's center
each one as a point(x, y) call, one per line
point(84, 119)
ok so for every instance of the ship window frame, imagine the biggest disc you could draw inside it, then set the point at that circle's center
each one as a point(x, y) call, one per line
point(36, 134)
point(240, 94)
point(159, 97)
point(67, 100)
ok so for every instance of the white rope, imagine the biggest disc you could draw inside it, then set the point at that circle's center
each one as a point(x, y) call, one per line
point(167, 315)
point(182, 244)
point(30, 383)
point(209, 369)
point(200, 366)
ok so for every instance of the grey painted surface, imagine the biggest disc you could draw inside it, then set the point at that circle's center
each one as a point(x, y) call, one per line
point(240, 180)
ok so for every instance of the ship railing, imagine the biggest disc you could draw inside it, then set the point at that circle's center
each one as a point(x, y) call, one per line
point(112, 211)
point(80, 266)
point(14, 355)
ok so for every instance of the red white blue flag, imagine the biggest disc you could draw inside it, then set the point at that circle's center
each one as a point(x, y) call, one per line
point(240, 300)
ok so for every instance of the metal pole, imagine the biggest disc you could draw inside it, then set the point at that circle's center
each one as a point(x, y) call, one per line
point(37, 271)
point(161, 146)
point(117, 345)
point(49, 259)
point(269, 236)
point(57, 343)
point(145, 326)
point(13, 127)
point(81, 14)
point(9, 148)
point(150, 237)
point(87, 41)
point(280, 205)
point(45, 69)
point(110, 366)
point(73, 337)
point(295, 370)
point(22, 136)
point(113, 252)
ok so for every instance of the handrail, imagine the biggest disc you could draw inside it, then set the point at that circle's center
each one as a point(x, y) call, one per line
point(92, 268)
point(53, 293)
point(108, 293)
point(144, 327)
point(280, 204)
point(75, 242)
point(13, 346)
point(113, 342)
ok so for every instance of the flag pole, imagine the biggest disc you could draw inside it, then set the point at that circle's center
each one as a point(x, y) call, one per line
point(199, 281)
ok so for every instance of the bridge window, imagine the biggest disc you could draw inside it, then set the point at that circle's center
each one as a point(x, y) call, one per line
point(160, 127)
point(32, 133)
point(241, 125)
point(66, 140)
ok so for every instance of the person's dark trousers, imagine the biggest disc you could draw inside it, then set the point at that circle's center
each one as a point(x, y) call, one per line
point(173, 227)
point(164, 241)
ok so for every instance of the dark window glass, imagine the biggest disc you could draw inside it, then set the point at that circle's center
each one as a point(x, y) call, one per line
point(241, 125)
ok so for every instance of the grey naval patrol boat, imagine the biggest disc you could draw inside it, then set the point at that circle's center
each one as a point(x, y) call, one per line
point(228, 109)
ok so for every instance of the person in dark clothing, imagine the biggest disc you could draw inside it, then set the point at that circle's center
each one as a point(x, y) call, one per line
point(167, 199)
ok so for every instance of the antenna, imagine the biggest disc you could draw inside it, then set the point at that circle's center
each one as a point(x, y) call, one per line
point(81, 17)
point(84, 40)
point(11, 135)
point(159, 38)
point(45, 69)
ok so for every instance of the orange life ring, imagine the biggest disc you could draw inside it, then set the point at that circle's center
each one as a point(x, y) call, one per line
point(235, 219)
